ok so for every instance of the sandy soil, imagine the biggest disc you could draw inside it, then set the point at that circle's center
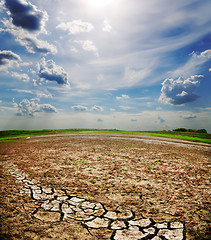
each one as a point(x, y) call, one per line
point(154, 179)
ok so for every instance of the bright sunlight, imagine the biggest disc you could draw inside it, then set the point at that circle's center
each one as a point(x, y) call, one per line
point(99, 3)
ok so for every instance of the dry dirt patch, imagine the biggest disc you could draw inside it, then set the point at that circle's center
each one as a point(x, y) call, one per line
point(154, 180)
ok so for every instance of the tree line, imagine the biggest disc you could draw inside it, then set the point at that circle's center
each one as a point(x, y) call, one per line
point(190, 130)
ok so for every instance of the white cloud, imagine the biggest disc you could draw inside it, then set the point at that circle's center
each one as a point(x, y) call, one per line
point(205, 109)
point(133, 52)
point(25, 107)
point(22, 91)
point(2, 6)
point(26, 15)
point(193, 64)
point(27, 26)
point(206, 54)
point(88, 46)
point(106, 26)
point(44, 94)
point(76, 26)
point(123, 97)
point(49, 71)
point(79, 108)
point(34, 45)
point(97, 108)
point(38, 93)
point(133, 76)
point(8, 59)
point(21, 76)
point(209, 69)
point(179, 91)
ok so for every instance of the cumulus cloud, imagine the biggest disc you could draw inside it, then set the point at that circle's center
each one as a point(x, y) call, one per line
point(79, 108)
point(29, 40)
point(123, 97)
point(76, 26)
point(21, 76)
point(106, 26)
point(25, 107)
point(8, 58)
point(179, 91)
point(26, 15)
point(49, 71)
point(97, 108)
point(25, 24)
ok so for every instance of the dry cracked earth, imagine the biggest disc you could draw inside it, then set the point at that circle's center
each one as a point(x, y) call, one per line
point(104, 187)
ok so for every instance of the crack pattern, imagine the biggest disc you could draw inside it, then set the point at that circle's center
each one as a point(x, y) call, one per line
point(94, 215)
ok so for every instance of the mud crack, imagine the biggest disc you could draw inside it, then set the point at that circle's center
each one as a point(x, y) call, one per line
point(57, 205)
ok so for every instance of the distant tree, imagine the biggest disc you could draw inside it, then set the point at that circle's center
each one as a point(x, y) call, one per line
point(201, 131)
point(180, 130)
point(190, 130)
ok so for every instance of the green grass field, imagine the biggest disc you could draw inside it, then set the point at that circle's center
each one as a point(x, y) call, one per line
point(191, 136)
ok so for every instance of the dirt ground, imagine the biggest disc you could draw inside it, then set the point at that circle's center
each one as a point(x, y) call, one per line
point(165, 182)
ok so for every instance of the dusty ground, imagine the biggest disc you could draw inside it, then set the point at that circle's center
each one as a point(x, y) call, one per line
point(161, 181)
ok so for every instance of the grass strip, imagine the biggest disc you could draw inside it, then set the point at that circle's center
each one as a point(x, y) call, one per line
point(190, 136)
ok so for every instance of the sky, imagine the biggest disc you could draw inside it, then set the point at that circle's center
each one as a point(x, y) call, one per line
point(109, 64)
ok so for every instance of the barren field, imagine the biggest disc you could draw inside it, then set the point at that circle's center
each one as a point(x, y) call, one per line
point(120, 180)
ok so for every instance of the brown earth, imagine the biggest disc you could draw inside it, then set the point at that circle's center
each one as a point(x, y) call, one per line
point(165, 182)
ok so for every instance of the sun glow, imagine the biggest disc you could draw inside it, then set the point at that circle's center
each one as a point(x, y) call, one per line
point(99, 3)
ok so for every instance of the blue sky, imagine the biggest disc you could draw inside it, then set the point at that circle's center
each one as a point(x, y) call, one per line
point(125, 64)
